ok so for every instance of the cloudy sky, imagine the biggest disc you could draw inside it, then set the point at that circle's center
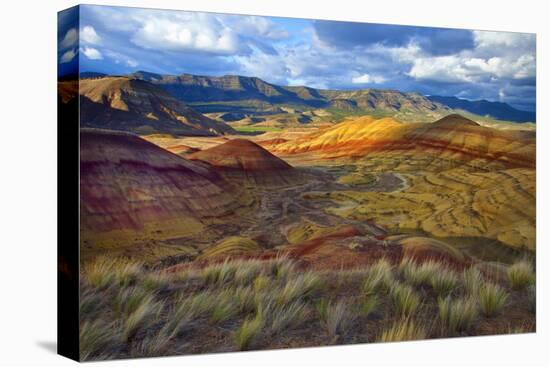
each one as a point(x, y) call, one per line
point(498, 66)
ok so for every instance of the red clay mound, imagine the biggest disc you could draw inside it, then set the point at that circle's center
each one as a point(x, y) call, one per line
point(243, 160)
point(331, 252)
point(241, 154)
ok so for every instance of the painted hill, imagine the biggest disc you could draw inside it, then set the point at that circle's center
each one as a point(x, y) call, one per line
point(241, 157)
point(241, 154)
point(120, 103)
point(461, 138)
point(130, 186)
point(452, 137)
point(496, 110)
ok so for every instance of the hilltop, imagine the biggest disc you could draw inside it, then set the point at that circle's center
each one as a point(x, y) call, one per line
point(121, 103)
point(241, 158)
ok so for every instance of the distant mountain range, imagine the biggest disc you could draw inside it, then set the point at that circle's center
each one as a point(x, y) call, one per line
point(234, 92)
point(496, 110)
point(250, 95)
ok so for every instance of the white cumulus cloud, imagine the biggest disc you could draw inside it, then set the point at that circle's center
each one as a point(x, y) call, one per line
point(70, 39)
point(487, 39)
point(92, 53)
point(186, 31)
point(367, 78)
point(132, 63)
point(67, 56)
point(89, 35)
point(260, 26)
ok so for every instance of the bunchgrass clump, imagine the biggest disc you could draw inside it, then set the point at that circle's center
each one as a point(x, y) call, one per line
point(247, 271)
point(492, 299)
point(143, 317)
point(96, 337)
point(336, 317)
point(301, 286)
point(185, 311)
point(379, 277)
point(103, 272)
point(457, 315)
point(521, 274)
point(156, 281)
point(419, 274)
point(224, 306)
point(91, 303)
point(369, 305)
point(444, 282)
point(283, 318)
point(282, 268)
point(403, 330)
point(261, 283)
point(202, 304)
point(219, 274)
point(246, 299)
point(250, 329)
point(472, 279)
point(127, 300)
point(404, 299)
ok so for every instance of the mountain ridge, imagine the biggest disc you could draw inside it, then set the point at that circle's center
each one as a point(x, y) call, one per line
point(126, 104)
point(237, 87)
point(497, 110)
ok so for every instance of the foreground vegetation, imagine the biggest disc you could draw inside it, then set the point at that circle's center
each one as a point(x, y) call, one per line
point(128, 310)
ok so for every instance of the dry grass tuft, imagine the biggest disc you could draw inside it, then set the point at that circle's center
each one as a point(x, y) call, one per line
point(369, 305)
point(403, 330)
point(96, 337)
point(472, 279)
point(379, 277)
point(337, 318)
point(250, 329)
point(146, 313)
point(457, 315)
point(404, 299)
point(521, 274)
point(287, 317)
point(103, 272)
point(492, 299)
point(300, 286)
point(422, 274)
point(444, 282)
